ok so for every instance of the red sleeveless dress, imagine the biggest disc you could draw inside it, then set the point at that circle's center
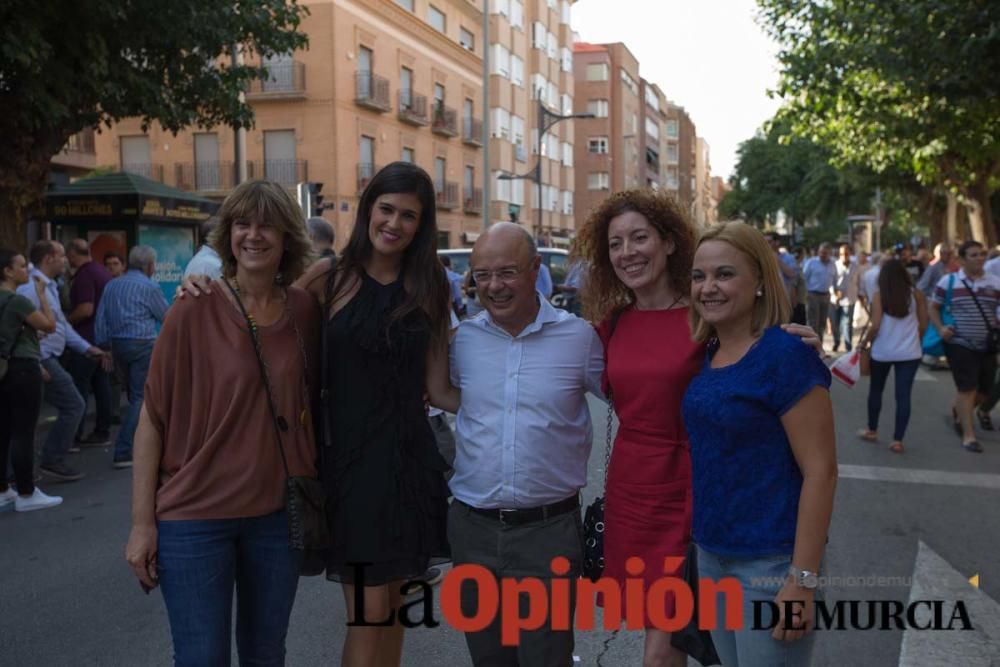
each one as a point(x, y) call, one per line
point(651, 359)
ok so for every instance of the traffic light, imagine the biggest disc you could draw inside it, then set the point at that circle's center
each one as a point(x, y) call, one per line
point(316, 199)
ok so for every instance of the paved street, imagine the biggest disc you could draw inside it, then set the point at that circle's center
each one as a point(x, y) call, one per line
point(67, 597)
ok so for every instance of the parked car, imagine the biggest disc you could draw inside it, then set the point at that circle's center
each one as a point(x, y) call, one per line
point(556, 259)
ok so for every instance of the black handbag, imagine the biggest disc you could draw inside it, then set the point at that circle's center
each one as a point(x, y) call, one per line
point(305, 498)
point(691, 639)
point(992, 333)
point(593, 517)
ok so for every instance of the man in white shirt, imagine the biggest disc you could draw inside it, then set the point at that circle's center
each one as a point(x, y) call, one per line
point(523, 438)
point(819, 272)
point(206, 262)
point(845, 295)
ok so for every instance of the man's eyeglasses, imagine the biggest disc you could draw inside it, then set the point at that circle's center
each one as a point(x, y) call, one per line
point(503, 275)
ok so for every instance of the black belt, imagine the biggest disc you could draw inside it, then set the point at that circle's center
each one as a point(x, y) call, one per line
point(516, 517)
point(822, 293)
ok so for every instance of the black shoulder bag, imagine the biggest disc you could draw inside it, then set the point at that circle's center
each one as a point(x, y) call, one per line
point(593, 518)
point(305, 500)
point(992, 333)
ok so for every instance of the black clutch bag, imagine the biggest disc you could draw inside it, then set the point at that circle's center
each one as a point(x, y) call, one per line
point(691, 639)
point(593, 540)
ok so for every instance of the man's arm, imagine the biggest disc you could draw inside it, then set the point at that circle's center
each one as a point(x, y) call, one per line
point(83, 294)
point(594, 370)
point(158, 304)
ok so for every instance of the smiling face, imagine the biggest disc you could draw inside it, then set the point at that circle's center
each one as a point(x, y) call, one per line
point(505, 275)
point(394, 221)
point(257, 245)
point(723, 284)
point(638, 253)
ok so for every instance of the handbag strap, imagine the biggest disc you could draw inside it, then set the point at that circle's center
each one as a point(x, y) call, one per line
point(615, 316)
point(279, 422)
point(972, 291)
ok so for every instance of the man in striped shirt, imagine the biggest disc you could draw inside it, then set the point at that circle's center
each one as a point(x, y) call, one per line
point(131, 308)
point(966, 342)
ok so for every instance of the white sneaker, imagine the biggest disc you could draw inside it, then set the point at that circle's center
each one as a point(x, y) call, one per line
point(6, 498)
point(36, 501)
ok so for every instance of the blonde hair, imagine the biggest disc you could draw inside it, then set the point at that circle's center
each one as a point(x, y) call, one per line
point(264, 200)
point(772, 307)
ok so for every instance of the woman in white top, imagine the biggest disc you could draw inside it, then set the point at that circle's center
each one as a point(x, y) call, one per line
point(898, 322)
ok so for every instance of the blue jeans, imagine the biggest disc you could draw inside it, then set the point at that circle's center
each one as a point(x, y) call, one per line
point(906, 371)
point(132, 356)
point(748, 647)
point(842, 323)
point(87, 374)
point(60, 392)
point(200, 561)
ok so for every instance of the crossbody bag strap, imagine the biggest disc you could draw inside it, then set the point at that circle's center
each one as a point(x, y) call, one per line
point(615, 316)
point(279, 422)
point(972, 291)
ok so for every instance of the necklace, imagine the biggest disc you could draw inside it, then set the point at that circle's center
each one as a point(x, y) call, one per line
point(670, 307)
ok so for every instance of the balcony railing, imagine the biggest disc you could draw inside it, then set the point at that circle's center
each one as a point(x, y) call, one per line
point(206, 176)
point(145, 169)
point(473, 200)
point(472, 131)
point(371, 91)
point(284, 79)
point(283, 172)
point(366, 171)
point(446, 194)
point(445, 121)
point(412, 108)
point(81, 142)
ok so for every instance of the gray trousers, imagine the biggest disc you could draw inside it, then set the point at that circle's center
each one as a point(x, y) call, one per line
point(817, 312)
point(516, 551)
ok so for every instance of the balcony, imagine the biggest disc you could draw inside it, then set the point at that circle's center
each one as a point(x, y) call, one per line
point(473, 200)
point(413, 108)
point(446, 194)
point(445, 121)
point(205, 176)
point(472, 131)
point(366, 170)
point(81, 142)
point(153, 172)
point(283, 172)
point(371, 92)
point(285, 80)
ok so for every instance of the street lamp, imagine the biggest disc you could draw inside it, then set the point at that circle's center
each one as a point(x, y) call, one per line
point(546, 119)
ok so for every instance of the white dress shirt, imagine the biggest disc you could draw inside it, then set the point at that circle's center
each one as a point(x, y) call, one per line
point(53, 344)
point(523, 429)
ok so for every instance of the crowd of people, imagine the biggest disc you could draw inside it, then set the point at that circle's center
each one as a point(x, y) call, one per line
point(282, 360)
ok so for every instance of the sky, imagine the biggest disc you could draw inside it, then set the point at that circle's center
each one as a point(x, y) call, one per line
point(709, 56)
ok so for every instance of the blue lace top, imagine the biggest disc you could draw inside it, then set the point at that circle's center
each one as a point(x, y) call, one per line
point(746, 482)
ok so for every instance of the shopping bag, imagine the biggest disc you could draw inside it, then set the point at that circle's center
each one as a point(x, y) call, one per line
point(847, 368)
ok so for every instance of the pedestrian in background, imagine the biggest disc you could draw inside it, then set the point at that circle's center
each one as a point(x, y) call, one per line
point(322, 236)
point(114, 263)
point(974, 296)
point(455, 281)
point(819, 274)
point(937, 269)
point(131, 310)
point(845, 295)
point(898, 322)
point(21, 385)
point(208, 508)
point(85, 293)
point(206, 261)
point(763, 497)
point(49, 259)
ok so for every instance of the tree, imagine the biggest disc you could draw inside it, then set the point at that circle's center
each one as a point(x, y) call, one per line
point(67, 66)
point(898, 84)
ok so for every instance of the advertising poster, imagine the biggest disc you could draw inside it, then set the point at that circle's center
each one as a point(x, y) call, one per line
point(174, 249)
point(103, 242)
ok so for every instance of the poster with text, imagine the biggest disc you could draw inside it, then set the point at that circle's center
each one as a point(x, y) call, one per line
point(174, 247)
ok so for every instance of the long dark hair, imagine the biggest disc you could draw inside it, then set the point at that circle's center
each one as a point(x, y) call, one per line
point(896, 288)
point(7, 256)
point(423, 276)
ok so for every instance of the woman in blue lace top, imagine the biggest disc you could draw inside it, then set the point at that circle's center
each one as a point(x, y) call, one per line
point(763, 454)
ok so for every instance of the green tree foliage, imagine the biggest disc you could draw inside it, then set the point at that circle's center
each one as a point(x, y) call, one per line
point(898, 84)
point(66, 66)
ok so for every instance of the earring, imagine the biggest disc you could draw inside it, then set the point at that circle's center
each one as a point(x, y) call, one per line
point(760, 293)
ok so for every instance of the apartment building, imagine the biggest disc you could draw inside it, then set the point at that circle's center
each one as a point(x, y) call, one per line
point(608, 156)
point(705, 212)
point(386, 80)
point(681, 138)
point(653, 131)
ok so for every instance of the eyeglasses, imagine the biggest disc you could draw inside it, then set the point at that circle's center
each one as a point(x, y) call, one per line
point(506, 275)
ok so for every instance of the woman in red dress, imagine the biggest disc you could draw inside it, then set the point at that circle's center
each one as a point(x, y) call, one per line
point(639, 245)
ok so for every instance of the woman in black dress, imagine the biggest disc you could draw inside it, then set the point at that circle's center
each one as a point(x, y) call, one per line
point(386, 300)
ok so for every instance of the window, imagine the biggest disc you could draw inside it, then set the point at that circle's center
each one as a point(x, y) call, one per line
point(538, 87)
point(207, 175)
point(135, 155)
point(567, 202)
point(517, 130)
point(500, 123)
point(516, 70)
point(671, 128)
point(551, 3)
point(466, 39)
point(632, 126)
point(468, 108)
point(534, 143)
point(517, 192)
point(552, 93)
point(565, 104)
point(564, 11)
point(501, 60)
point(470, 181)
point(552, 45)
point(501, 188)
point(651, 98)
point(567, 154)
point(566, 59)
point(539, 35)
point(405, 4)
point(598, 180)
point(652, 128)
point(367, 156)
point(405, 87)
point(279, 156)
point(597, 72)
point(629, 81)
point(501, 7)
point(440, 170)
point(672, 153)
point(436, 17)
point(408, 155)
point(597, 145)
point(438, 93)
point(598, 107)
point(365, 58)
point(551, 146)
point(517, 14)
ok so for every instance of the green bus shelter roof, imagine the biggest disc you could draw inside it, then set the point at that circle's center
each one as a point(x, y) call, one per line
point(123, 183)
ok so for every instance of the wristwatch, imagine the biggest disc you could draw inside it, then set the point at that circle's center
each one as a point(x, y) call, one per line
point(804, 578)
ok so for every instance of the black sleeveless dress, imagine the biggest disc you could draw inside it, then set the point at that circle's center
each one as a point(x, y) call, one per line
point(386, 493)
